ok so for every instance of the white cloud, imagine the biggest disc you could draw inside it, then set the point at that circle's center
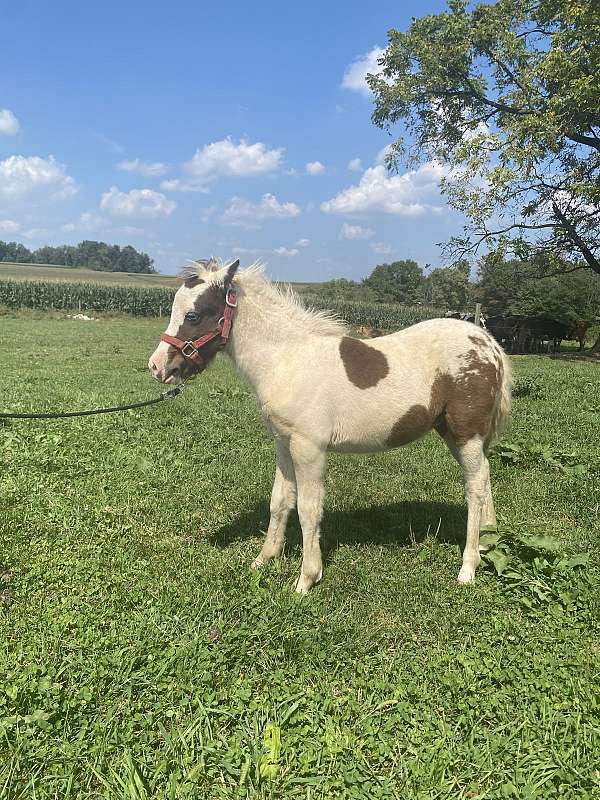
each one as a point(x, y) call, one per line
point(177, 185)
point(402, 195)
point(355, 232)
point(88, 221)
point(152, 169)
point(248, 215)
point(355, 75)
point(9, 124)
point(381, 248)
point(315, 168)
point(302, 242)
point(285, 252)
point(136, 203)
point(9, 226)
point(20, 176)
point(355, 165)
point(227, 158)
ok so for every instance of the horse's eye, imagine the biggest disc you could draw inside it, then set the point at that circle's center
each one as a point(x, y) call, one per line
point(192, 316)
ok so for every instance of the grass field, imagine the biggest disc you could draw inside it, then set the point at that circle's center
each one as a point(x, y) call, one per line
point(44, 272)
point(141, 659)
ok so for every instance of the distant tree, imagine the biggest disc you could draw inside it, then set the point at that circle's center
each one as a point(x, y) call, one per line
point(398, 282)
point(449, 287)
point(343, 289)
point(515, 287)
point(90, 254)
point(15, 252)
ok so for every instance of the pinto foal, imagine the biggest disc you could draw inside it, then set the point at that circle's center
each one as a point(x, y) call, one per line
point(319, 389)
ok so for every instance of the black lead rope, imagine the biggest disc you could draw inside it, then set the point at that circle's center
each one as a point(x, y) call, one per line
point(168, 395)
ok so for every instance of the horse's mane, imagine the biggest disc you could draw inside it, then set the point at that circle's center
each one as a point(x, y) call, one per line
point(278, 301)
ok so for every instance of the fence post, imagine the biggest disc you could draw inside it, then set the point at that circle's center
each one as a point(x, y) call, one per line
point(160, 311)
point(477, 313)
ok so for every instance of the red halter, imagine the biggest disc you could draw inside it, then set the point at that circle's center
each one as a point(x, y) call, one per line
point(191, 349)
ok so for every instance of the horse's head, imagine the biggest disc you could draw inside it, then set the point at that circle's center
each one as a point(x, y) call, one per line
point(193, 337)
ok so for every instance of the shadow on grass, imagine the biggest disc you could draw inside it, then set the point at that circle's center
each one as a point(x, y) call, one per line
point(402, 524)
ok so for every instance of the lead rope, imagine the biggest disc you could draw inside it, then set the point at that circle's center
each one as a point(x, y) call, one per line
point(170, 394)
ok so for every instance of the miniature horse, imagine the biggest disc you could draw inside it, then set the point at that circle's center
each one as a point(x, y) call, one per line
point(320, 389)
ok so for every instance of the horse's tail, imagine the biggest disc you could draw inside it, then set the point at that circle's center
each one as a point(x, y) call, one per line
point(501, 413)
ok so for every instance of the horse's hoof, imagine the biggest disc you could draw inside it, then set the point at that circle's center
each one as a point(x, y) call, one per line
point(257, 564)
point(304, 584)
point(466, 575)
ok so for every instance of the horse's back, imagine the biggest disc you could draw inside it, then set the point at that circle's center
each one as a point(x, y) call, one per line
point(441, 373)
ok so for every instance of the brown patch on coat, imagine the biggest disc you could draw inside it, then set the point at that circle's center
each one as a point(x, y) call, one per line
point(460, 406)
point(364, 365)
point(478, 340)
point(468, 399)
point(412, 425)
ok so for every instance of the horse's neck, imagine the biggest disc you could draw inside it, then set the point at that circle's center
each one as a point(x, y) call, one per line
point(262, 338)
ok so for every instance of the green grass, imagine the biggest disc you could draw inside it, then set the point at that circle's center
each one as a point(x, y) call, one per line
point(141, 659)
point(45, 272)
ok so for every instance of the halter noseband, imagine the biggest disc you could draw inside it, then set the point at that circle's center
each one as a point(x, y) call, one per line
point(191, 349)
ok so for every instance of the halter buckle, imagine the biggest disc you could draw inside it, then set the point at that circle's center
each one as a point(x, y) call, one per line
point(232, 303)
point(188, 350)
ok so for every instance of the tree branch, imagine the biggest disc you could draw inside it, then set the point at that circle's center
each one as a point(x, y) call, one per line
point(576, 238)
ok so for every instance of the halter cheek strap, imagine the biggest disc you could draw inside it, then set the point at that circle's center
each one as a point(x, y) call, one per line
point(191, 349)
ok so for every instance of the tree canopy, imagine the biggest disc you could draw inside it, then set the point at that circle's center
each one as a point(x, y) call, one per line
point(93, 255)
point(398, 282)
point(514, 287)
point(506, 96)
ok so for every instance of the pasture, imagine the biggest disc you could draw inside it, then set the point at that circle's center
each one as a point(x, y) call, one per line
point(141, 659)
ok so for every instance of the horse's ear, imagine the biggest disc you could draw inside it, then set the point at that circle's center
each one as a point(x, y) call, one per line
point(231, 270)
point(212, 265)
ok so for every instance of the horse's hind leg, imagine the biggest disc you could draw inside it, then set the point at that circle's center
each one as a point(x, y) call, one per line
point(283, 500)
point(480, 506)
point(488, 512)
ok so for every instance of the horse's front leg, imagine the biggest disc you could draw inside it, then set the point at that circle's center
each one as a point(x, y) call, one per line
point(283, 499)
point(309, 465)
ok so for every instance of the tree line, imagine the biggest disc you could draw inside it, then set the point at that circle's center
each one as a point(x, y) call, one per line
point(502, 286)
point(93, 255)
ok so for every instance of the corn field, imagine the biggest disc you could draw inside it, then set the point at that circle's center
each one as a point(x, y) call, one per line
point(157, 302)
point(387, 316)
point(86, 297)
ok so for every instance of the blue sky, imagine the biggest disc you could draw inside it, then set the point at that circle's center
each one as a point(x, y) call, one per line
point(190, 129)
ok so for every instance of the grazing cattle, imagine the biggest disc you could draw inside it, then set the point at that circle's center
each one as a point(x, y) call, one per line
point(534, 334)
point(578, 333)
point(319, 389)
point(466, 317)
point(504, 328)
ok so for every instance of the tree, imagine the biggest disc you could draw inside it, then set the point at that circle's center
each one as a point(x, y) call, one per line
point(449, 287)
point(94, 255)
point(506, 98)
point(342, 289)
point(398, 282)
point(514, 287)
